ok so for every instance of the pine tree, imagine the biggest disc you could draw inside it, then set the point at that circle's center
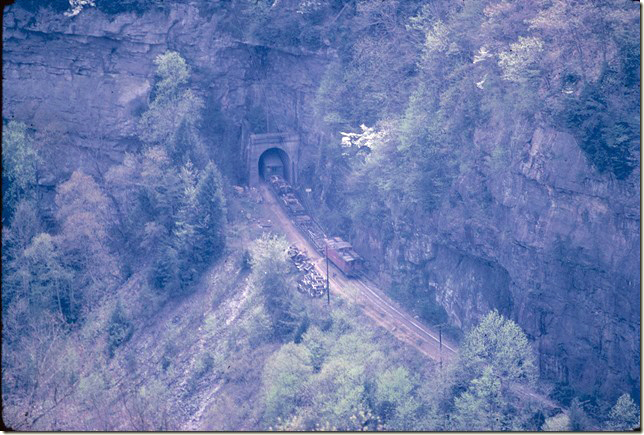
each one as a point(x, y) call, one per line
point(625, 415)
point(211, 213)
point(185, 234)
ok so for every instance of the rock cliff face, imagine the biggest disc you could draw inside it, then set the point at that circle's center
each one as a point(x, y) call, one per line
point(81, 82)
point(539, 234)
point(543, 238)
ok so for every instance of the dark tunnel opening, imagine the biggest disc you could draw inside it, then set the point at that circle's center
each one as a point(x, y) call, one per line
point(274, 161)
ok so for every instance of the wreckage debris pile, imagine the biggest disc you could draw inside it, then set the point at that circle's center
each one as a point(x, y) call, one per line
point(311, 283)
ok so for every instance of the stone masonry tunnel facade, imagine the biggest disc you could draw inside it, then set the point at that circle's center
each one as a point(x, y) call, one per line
point(271, 151)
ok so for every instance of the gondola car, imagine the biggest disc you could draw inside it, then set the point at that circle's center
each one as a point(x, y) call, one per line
point(342, 254)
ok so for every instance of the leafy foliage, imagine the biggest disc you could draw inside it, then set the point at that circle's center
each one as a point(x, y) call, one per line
point(20, 160)
point(86, 221)
point(283, 379)
point(119, 330)
point(411, 84)
point(44, 281)
point(498, 348)
point(273, 276)
point(481, 406)
point(175, 111)
point(624, 415)
point(154, 216)
point(397, 402)
point(558, 423)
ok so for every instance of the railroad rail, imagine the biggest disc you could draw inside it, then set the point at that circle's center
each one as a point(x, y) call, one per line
point(373, 302)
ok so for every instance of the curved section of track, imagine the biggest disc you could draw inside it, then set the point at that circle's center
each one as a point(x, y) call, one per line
point(364, 293)
point(375, 304)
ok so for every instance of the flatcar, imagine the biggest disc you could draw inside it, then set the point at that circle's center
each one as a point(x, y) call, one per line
point(342, 254)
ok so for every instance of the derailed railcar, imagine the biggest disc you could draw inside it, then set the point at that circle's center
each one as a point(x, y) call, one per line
point(342, 254)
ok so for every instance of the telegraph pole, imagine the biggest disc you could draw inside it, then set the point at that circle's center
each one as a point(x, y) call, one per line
point(440, 344)
point(326, 254)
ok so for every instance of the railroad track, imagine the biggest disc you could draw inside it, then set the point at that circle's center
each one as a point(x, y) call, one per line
point(378, 306)
point(363, 292)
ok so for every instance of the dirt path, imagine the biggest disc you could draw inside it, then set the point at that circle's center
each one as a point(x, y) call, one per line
point(375, 304)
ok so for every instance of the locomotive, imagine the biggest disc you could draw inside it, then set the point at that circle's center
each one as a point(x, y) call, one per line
point(342, 254)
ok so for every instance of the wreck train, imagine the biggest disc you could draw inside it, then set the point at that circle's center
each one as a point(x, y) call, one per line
point(339, 252)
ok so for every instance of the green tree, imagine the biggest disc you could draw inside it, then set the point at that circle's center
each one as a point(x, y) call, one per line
point(119, 329)
point(20, 161)
point(86, 221)
point(185, 238)
point(84, 210)
point(164, 272)
point(145, 195)
point(624, 415)
point(25, 225)
point(272, 275)
point(579, 420)
point(481, 406)
point(284, 380)
point(199, 234)
point(317, 342)
point(42, 280)
point(396, 399)
point(161, 187)
point(175, 111)
point(558, 423)
point(211, 213)
point(39, 373)
point(338, 392)
point(499, 344)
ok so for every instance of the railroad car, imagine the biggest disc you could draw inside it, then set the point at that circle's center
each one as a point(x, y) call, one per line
point(342, 254)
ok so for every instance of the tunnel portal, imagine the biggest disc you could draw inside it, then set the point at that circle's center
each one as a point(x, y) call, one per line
point(272, 153)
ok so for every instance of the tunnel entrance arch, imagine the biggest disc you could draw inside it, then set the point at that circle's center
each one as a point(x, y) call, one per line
point(267, 152)
point(274, 161)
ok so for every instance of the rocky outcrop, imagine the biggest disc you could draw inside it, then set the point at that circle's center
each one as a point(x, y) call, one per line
point(544, 238)
point(81, 82)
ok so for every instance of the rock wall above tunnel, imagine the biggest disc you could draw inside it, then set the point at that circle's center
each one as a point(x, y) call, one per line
point(81, 82)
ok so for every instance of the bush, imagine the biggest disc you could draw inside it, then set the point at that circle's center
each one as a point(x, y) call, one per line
point(203, 366)
point(119, 331)
point(163, 273)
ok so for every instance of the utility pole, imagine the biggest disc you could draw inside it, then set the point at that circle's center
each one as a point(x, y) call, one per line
point(440, 344)
point(326, 254)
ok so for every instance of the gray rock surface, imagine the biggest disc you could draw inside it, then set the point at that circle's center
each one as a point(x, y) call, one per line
point(81, 82)
point(545, 239)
